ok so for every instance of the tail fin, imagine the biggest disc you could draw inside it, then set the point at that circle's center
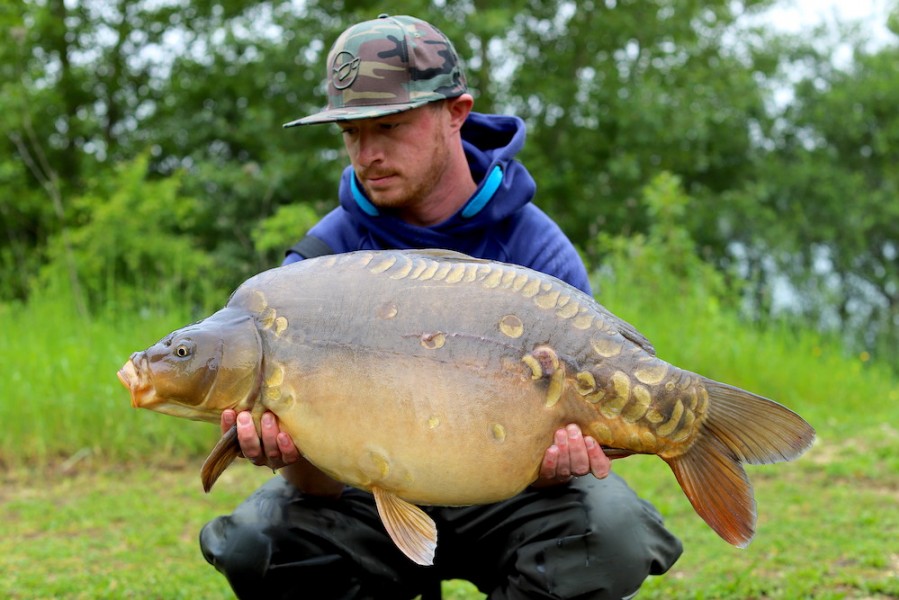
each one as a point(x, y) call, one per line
point(740, 427)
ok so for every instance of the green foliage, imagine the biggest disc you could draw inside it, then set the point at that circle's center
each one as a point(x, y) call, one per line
point(833, 182)
point(131, 240)
point(276, 233)
point(661, 89)
point(663, 262)
point(613, 94)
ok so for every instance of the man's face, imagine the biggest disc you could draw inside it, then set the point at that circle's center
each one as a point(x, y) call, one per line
point(399, 159)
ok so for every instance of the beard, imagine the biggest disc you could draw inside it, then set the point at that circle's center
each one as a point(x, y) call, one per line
point(415, 181)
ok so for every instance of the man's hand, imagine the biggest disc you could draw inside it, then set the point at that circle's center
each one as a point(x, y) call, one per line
point(273, 448)
point(572, 454)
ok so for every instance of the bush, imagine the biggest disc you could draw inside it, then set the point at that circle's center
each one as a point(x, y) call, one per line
point(132, 236)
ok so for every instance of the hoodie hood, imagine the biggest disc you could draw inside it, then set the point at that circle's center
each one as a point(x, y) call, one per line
point(504, 187)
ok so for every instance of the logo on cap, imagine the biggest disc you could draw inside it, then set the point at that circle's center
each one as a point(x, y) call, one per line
point(344, 69)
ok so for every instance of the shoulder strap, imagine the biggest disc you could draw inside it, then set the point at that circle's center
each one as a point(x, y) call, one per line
point(310, 247)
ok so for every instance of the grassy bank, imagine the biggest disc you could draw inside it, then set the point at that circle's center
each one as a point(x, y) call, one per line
point(102, 501)
point(60, 398)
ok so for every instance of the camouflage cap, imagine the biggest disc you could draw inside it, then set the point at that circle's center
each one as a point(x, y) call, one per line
point(385, 66)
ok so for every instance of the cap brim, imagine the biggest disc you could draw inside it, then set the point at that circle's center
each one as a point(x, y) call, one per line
point(356, 112)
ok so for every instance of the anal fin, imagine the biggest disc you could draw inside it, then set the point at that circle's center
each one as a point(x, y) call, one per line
point(222, 455)
point(410, 528)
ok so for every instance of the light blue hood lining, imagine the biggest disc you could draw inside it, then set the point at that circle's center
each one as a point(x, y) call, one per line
point(472, 207)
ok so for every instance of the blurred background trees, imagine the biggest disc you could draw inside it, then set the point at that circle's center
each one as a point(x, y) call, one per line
point(143, 148)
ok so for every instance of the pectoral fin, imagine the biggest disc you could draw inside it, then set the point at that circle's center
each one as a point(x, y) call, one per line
point(616, 453)
point(224, 453)
point(413, 531)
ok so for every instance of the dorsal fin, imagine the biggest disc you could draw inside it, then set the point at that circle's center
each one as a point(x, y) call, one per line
point(413, 531)
point(441, 253)
point(626, 329)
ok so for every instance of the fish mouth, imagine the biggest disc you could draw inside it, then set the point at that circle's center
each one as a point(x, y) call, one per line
point(132, 378)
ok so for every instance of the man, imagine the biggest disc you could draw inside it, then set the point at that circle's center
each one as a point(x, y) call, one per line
point(426, 172)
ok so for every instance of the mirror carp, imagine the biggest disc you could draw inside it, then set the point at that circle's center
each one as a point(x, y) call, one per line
point(429, 377)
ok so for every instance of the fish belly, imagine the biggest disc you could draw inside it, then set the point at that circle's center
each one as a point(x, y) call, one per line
point(431, 432)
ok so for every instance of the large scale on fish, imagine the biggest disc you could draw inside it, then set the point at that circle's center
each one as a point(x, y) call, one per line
point(429, 377)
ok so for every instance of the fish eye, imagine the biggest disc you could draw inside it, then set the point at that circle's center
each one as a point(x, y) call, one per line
point(182, 351)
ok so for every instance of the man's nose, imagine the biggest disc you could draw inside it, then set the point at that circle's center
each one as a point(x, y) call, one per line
point(370, 148)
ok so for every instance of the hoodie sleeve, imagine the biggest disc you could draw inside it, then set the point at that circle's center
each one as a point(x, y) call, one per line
point(336, 230)
point(537, 242)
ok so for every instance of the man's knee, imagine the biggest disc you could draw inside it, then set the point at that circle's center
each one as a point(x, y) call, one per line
point(243, 552)
point(632, 540)
point(238, 550)
point(623, 543)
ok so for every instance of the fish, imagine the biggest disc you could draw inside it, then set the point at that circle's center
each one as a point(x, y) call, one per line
point(429, 377)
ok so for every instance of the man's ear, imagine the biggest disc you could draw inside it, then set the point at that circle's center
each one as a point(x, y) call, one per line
point(458, 108)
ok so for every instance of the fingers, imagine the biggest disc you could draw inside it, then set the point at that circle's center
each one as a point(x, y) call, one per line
point(549, 465)
point(289, 452)
point(573, 454)
point(270, 431)
point(270, 446)
point(557, 460)
point(578, 460)
point(250, 444)
point(229, 418)
point(600, 465)
point(585, 455)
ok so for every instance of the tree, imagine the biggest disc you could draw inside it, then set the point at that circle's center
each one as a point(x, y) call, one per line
point(613, 94)
point(833, 180)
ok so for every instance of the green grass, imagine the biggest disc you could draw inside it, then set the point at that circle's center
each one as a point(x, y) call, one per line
point(59, 394)
point(111, 533)
point(99, 500)
point(105, 531)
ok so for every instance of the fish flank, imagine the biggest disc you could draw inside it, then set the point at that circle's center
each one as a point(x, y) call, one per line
point(583, 321)
point(403, 270)
point(442, 272)
point(428, 273)
point(568, 310)
point(382, 266)
point(456, 273)
point(668, 427)
point(493, 279)
point(519, 282)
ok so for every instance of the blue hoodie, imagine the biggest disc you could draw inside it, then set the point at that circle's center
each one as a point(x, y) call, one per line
point(498, 222)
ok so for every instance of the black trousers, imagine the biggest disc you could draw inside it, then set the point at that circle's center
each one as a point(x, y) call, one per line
point(587, 539)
